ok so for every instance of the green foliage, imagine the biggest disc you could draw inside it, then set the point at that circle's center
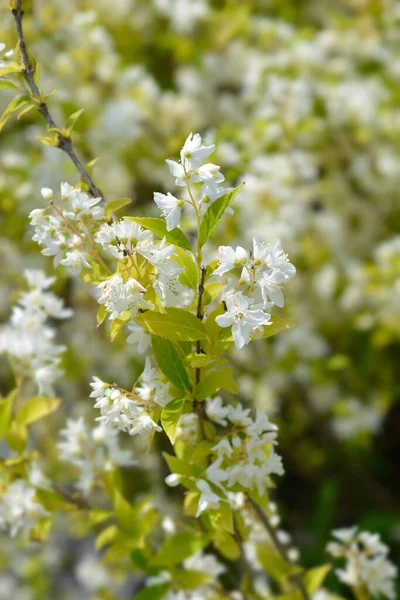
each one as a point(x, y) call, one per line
point(213, 381)
point(170, 416)
point(178, 547)
point(116, 205)
point(175, 324)
point(170, 362)
point(15, 104)
point(37, 408)
point(158, 226)
point(214, 214)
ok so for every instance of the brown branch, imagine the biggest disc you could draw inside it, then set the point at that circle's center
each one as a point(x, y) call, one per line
point(281, 548)
point(64, 142)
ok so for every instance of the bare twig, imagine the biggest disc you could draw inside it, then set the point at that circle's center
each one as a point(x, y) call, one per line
point(64, 142)
point(296, 578)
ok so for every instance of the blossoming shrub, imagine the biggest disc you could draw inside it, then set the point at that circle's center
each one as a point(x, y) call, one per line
point(170, 288)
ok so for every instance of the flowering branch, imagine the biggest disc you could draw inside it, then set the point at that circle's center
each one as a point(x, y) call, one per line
point(296, 578)
point(64, 142)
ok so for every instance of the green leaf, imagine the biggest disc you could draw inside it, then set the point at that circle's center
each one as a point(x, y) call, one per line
point(40, 532)
point(170, 416)
point(5, 412)
point(101, 314)
point(214, 381)
point(189, 579)
point(181, 467)
point(15, 104)
point(274, 564)
point(153, 592)
point(107, 536)
point(214, 213)
point(6, 84)
point(36, 408)
point(170, 362)
point(158, 226)
point(11, 68)
point(16, 436)
point(51, 500)
point(115, 205)
point(178, 547)
point(277, 326)
point(72, 119)
point(315, 577)
point(226, 545)
point(189, 276)
point(174, 324)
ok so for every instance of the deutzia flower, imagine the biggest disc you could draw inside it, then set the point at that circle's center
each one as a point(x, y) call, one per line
point(19, 510)
point(230, 258)
point(207, 497)
point(28, 339)
point(123, 237)
point(171, 208)
point(138, 336)
point(367, 563)
point(194, 152)
point(243, 317)
point(119, 296)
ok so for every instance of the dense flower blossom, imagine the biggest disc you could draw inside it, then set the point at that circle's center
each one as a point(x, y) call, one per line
point(367, 564)
point(28, 339)
point(130, 412)
point(19, 509)
point(65, 228)
point(91, 451)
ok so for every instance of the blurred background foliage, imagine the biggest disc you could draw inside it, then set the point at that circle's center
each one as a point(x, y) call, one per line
point(302, 99)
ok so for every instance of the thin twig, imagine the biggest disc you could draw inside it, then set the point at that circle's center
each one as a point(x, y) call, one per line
point(199, 406)
point(296, 578)
point(64, 142)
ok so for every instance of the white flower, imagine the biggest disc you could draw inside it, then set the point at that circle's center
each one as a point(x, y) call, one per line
point(194, 152)
point(172, 480)
point(207, 497)
point(243, 318)
point(138, 336)
point(119, 296)
point(367, 564)
point(216, 410)
point(230, 258)
point(47, 193)
point(171, 208)
point(19, 509)
point(75, 260)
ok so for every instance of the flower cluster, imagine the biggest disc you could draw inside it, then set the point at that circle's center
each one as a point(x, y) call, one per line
point(19, 509)
point(129, 411)
point(191, 170)
point(256, 291)
point(92, 451)
point(140, 258)
point(66, 230)
point(243, 459)
point(367, 567)
point(28, 339)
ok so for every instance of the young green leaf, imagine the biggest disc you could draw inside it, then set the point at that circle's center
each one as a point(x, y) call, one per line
point(153, 592)
point(115, 205)
point(36, 408)
point(170, 417)
point(214, 381)
point(214, 213)
point(178, 547)
point(174, 324)
point(5, 412)
point(158, 226)
point(315, 577)
point(170, 362)
point(15, 104)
